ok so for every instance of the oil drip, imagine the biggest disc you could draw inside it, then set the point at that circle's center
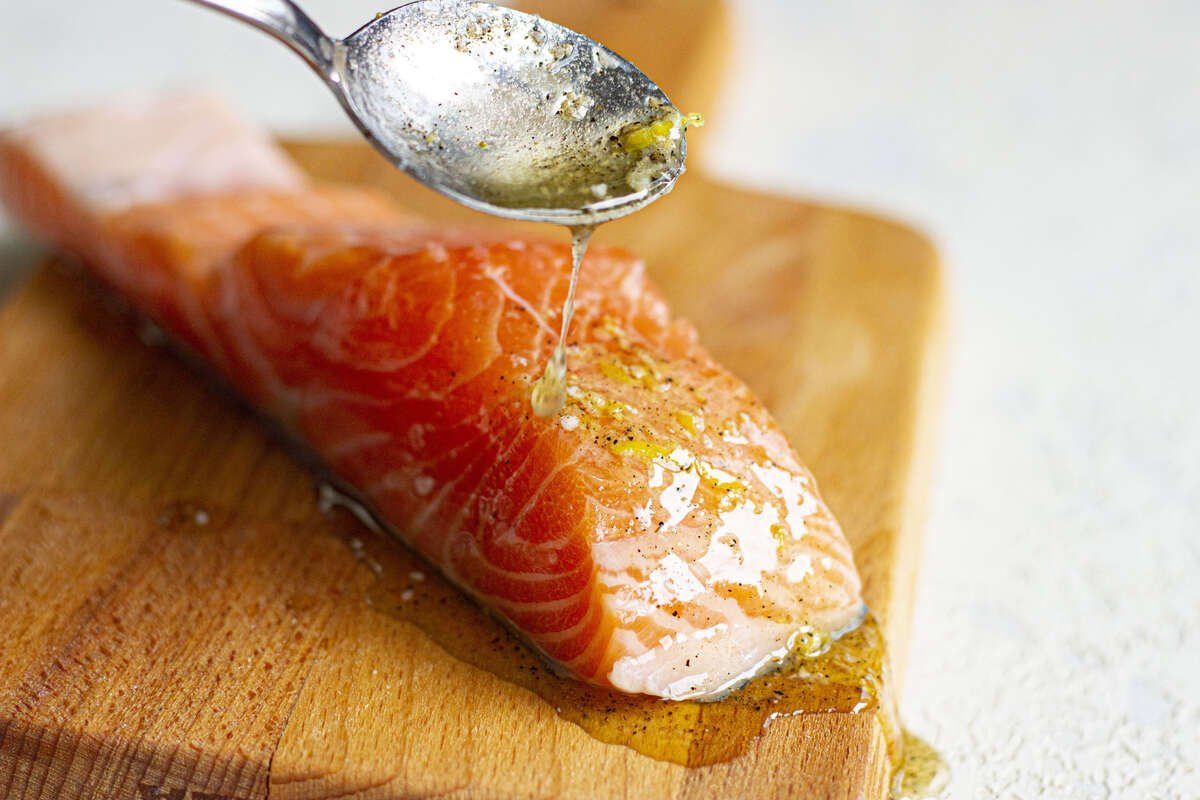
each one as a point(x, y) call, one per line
point(922, 773)
point(639, 153)
point(550, 391)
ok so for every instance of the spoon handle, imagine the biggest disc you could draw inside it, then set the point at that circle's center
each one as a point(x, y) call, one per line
point(285, 21)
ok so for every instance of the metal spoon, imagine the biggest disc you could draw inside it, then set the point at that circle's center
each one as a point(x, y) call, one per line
point(500, 110)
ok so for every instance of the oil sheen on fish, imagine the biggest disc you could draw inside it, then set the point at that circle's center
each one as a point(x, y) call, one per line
point(658, 535)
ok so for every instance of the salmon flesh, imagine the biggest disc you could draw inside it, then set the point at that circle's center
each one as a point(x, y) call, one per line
point(658, 535)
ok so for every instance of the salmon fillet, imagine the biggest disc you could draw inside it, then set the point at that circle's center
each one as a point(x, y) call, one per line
point(658, 535)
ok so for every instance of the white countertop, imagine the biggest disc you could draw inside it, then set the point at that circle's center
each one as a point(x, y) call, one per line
point(1053, 150)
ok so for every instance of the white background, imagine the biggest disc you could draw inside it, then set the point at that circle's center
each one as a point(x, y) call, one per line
point(1053, 150)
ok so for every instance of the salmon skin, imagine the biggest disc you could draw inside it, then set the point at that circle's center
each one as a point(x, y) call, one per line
point(658, 535)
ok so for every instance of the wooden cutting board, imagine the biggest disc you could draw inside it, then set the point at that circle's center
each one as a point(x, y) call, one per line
point(180, 621)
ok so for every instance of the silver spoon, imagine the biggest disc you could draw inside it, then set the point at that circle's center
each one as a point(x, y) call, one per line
point(500, 110)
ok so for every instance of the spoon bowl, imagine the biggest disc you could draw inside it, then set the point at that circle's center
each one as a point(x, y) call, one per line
point(500, 110)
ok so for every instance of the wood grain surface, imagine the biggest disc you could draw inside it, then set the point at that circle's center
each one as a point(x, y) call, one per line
point(180, 621)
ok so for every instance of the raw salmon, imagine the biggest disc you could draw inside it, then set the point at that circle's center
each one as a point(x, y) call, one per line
point(658, 535)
